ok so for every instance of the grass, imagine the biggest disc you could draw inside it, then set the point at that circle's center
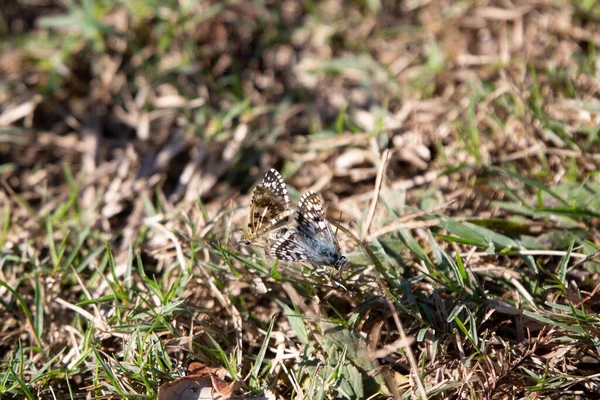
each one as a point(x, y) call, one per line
point(455, 146)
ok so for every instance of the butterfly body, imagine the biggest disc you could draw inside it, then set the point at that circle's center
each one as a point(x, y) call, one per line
point(269, 210)
point(312, 240)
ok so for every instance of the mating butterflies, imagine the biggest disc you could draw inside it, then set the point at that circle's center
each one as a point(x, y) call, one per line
point(312, 240)
point(269, 209)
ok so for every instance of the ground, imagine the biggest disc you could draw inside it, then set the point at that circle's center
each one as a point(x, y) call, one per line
point(454, 146)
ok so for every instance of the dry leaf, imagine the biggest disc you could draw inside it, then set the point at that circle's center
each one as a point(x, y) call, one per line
point(203, 383)
point(188, 388)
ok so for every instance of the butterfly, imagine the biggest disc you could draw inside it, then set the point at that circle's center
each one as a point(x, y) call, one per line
point(269, 209)
point(312, 240)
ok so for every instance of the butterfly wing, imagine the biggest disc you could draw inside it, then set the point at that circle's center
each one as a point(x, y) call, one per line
point(274, 182)
point(269, 208)
point(313, 240)
point(292, 247)
point(311, 219)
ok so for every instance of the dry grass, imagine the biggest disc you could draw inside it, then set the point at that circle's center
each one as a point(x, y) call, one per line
point(131, 135)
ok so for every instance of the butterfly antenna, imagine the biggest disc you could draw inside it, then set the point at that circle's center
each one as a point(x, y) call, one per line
point(339, 219)
point(230, 221)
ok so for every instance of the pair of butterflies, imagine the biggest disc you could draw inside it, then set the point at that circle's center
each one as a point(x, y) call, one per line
point(311, 240)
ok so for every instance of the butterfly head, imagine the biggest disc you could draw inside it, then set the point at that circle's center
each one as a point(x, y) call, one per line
point(243, 242)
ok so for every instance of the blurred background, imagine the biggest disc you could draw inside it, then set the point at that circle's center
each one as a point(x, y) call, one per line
point(199, 98)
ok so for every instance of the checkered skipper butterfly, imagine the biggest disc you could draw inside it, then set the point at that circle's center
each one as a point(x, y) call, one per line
point(312, 240)
point(269, 210)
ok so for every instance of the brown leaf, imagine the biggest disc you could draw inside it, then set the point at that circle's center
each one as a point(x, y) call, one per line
point(203, 382)
point(225, 389)
point(187, 388)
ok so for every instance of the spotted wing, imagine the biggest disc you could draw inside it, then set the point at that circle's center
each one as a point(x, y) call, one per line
point(313, 240)
point(311, 221)
point(274, 183)
point(292, 247)
point(269, 208)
